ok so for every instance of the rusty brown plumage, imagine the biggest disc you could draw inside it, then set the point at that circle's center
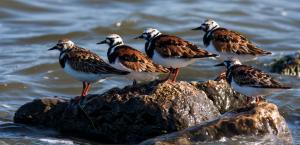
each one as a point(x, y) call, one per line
point(172, 46)
point(228, 41)
point(84, 60)
point(136, 60)
point(248, 76)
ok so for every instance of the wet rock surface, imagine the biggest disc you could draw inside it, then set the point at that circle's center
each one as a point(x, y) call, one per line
point(287, 65)
point(127, 115)
point(257, 120)
point(223, 97)
point(44, 111)
point(137, 113)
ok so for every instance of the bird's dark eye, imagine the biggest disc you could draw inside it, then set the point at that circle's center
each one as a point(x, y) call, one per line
point(60, 45)
point(226, 62)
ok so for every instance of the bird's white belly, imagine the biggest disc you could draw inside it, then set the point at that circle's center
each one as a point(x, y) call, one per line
point(118, 65)
point(227, 55)
point(250, 91)
point(135, 75)
point(142, 76)
point(173, 62)
point(82, 76)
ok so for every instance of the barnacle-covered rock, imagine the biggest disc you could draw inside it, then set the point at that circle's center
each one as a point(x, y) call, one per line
point(287, 65)
point(222, 95)
point(258, 120)
point(137, 113)
point(127, 115)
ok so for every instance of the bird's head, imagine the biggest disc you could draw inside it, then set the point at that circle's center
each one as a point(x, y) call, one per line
point(208, 25)
point(112, 40)
point(148, 34)
point(230, 62)
point(63, 44)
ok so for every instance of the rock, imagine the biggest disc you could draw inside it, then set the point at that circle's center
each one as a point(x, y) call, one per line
point(128, 115)
point(222, 95)
point(41, 112)
point(221, 76)
point(257, 120)
point(137, 113)
point(287, 65)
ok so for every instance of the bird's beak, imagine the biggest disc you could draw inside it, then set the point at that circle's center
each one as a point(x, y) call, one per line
point(221, 64)
point(102, 42)
point(139, 37)
point(53, 48)
point(198, 28)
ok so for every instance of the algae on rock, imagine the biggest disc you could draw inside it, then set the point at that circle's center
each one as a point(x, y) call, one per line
point(137, 113)
point(287, 65)
point(127, 115)
point(258, 120)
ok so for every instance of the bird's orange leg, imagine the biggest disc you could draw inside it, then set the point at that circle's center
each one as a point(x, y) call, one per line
point(83, 88)
point(87, 88)
point(175, 74)
point(169, 75)
point(77, 99)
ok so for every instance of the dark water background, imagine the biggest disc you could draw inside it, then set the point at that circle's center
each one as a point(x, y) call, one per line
point(29, 27)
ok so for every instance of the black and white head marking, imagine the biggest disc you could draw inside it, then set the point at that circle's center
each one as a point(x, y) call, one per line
point(150, 33)
point(113, 40)
point(231, 62)
point(209, 25)
point(63, 45)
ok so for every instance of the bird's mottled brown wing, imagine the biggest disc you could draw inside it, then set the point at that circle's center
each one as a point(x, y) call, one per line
point(249, 76)
point(172, 46)
point(137, 61)
point(86, 61)
point(232, 42)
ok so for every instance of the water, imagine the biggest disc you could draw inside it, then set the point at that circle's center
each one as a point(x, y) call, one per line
point(28, 28)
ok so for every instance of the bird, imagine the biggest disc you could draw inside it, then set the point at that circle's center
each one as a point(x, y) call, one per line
point(171, 51)
point(228, 43)
point(83, 64)
point(248, 80)
point(125, 57)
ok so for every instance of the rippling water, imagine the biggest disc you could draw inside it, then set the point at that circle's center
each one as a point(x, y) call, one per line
point(28, 28)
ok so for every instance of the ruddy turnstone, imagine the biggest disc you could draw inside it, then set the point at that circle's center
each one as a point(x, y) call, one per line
point(126, 58)
point(171, 51)
point(249, 81)
point(83, 64)
point(228, 43)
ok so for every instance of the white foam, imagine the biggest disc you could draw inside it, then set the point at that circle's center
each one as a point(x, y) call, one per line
point(56, 141)
point(119, 24)
point(49, 71)
point(6, 106)
point(46, 78)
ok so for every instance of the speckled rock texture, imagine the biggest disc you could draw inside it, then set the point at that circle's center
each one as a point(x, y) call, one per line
point(223, 97)
point(287, 65)
point(128, 115)
point(44, 111)
point(257, 120)
point(136, 113)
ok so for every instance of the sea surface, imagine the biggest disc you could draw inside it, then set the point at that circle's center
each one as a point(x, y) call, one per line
point(29, 27)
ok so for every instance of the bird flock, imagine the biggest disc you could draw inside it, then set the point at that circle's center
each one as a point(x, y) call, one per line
point(166, 54)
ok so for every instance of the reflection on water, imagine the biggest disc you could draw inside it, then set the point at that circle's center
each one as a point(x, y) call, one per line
point(29, 28)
